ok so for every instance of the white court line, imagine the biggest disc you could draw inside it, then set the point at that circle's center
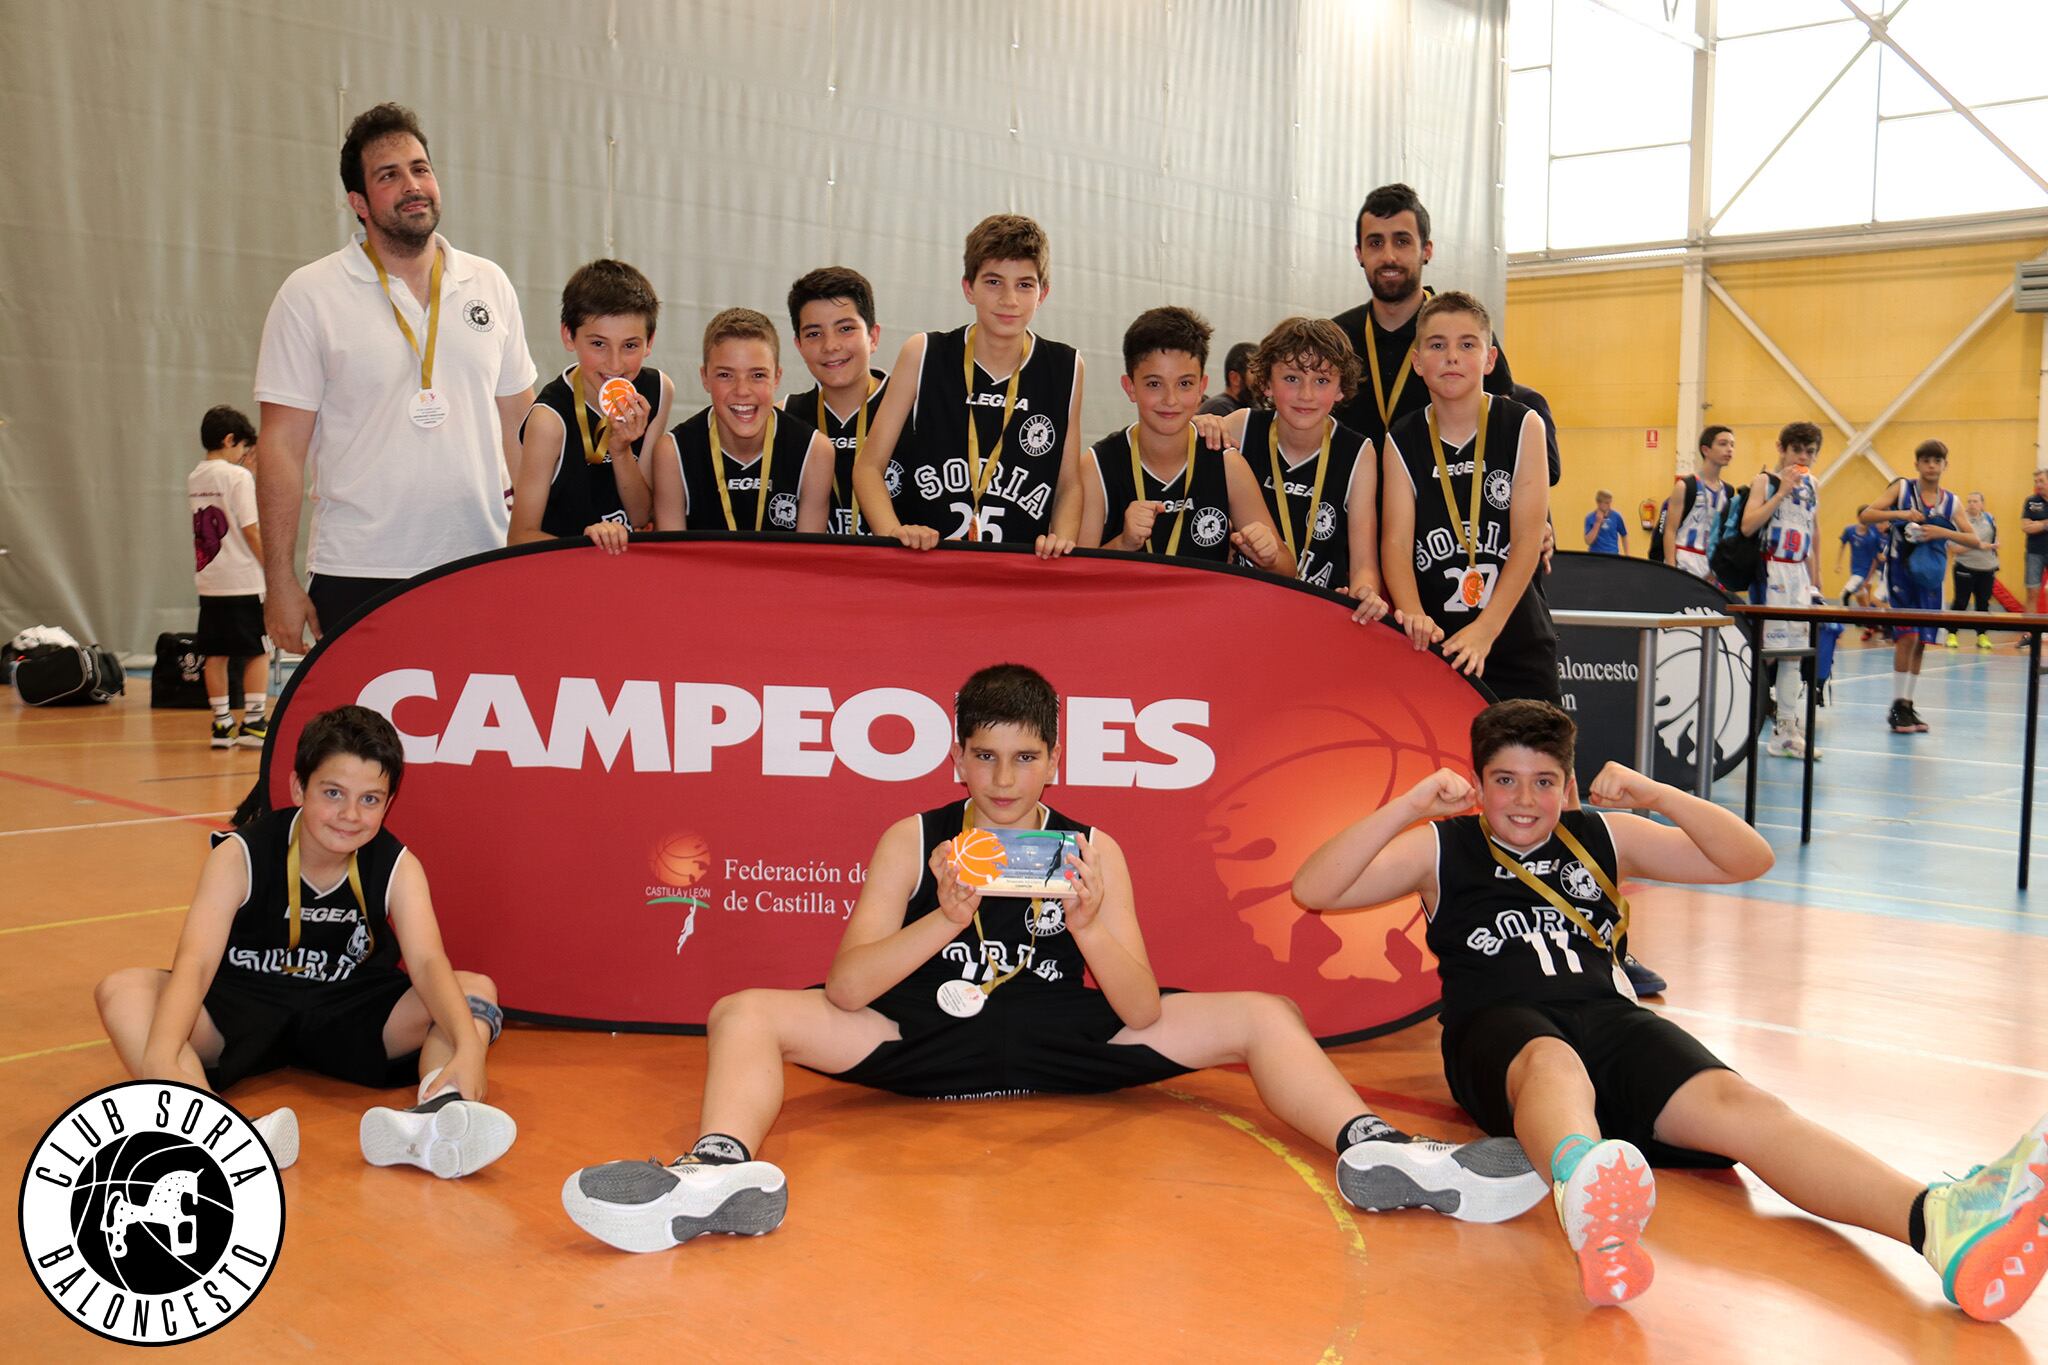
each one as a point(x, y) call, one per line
point(1892, 836)
point(112, 824)
point(1949, 1058)
point(1895, 902)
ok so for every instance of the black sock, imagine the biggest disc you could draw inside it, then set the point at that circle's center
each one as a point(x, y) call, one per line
point(436, 1104)
point(1916, 1223)
point(716, 1149)
point(1367, 1127)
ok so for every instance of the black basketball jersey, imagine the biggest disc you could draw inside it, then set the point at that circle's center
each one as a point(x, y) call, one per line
point(335, 938)
point(1323, 558)
point(1051, 961)
point(1496, 941)
point(844, 436)
point(938, 486)
point(702, 509)
point(1440, 559)
point(581, 492)
point(1202, 506)
point(1362, 413)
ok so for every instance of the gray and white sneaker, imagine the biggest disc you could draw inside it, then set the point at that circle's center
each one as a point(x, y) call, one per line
point(447, 1135)
point(279, 1130)
point(1488, 1181)
point(644, 1206)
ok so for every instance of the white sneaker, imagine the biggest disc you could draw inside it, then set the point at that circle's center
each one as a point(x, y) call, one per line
point(643, 1206)
point(1488, 1181)
point(279, 1130)
point(449, 1136)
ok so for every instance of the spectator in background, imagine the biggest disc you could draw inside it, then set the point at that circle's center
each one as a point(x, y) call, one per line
point(1976, 569)
point(2034, 521)
point(1237, 393)
point(1606, 531)
point(227, 558)
point(1865, 584)
point(397, 367)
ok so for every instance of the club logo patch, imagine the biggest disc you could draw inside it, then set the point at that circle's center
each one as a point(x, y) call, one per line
point(1500, 485)
point(1037, 435)
point(782, 511)
point(477, 314)
point(1579, 883)
point(1042, 918)
point(1210, 527)
point(893, 477)
point(151, 1213)
point(1326, 521)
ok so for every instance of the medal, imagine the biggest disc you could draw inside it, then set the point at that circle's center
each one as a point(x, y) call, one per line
point(1472, 587)
point(1578, 918)
point(615, 399)
point(961, 999)
point(427, 409)
point(594, 451)
point(291, 875)
point(981, 473)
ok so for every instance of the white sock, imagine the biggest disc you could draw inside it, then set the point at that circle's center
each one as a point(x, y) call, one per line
point(254, 711)
point(1787, 692)
point(221, 713)
point(1902, 685)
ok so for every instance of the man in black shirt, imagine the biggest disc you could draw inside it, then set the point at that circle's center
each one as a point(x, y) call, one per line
point(1392, 246)
point(2034, 521)
point(1237, 389)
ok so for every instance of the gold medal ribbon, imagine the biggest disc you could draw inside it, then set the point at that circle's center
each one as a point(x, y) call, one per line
point(1315, 500)
point(593, 451)
point(860, 438)
point(1372, 356)
point(981, 475)
point(1570, 911)
point(1031, 913)
point(291, 874)
point(426, 357)
point(718, 466)
point(1187, 486)
point(1468, 530)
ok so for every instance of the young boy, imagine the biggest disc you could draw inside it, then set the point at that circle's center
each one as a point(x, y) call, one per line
point(733, 466)
point(1606, 532)
point(1540, 1041)
point(1695, 503)
point(227, 551)
point(832, 314)
point(913, 1006)
point(289, 957)
point(1785, 507)
point(1467, 495)
point(1154, 486)
point(1920, 516)
point(608, 315)
point(1319, 478)
point(984, 420)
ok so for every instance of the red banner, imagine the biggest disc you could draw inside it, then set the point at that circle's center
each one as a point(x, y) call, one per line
point(640, 782)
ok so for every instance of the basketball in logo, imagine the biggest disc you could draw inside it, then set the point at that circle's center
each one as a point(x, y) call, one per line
point(680, 860)
point(978, 857)
point(151, 1213)
point(615, 399)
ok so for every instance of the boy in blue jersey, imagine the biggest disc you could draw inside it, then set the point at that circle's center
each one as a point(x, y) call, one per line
point(1541, 1040)
point(1924, 520)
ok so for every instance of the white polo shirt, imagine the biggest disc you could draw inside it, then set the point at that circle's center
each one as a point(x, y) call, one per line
point(390, 499)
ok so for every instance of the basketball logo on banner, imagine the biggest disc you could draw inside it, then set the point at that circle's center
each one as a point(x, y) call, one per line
point(151, 1213)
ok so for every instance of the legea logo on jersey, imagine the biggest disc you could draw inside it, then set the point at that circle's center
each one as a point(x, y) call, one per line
point(688, 727)
point(151, 1213)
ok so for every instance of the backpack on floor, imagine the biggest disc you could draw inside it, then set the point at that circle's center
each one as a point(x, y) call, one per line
point(1735, 558)
point(67, 675)
point(178, 680)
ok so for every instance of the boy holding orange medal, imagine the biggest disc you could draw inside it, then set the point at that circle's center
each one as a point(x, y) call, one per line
point(1467, 497)
point(832, 313)
point(611, 399)
point(733, 466)
point(1541, 1038)
point(1154, 486)
point(915, 1006)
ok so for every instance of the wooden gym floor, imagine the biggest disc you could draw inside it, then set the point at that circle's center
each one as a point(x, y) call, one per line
point(1180, 1222)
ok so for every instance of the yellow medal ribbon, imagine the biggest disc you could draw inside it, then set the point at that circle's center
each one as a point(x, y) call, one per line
point(426, 357)
point(1315, 500)
point(1570, 911)
point(860, 438)
point(718, 471)
point(1187, 486)
point(1385, 404)
point(593, 451)
point(982, 475)
point(1467, 531)
point(1031, 913)
point(291, 874)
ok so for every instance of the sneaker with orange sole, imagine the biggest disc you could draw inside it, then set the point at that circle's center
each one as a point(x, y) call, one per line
point(1987, 1234)
point(1604, 1207)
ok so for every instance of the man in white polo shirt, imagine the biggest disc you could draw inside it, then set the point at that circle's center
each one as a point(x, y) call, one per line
point(396, 369)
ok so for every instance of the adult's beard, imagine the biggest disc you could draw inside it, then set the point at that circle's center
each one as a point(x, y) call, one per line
point(401, 231)
point(1410, 282)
